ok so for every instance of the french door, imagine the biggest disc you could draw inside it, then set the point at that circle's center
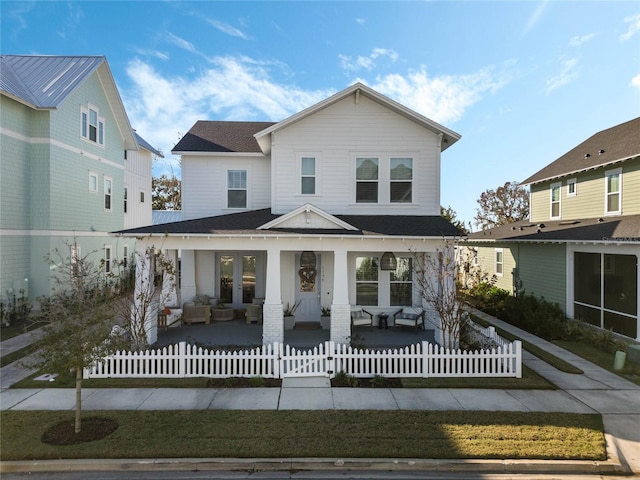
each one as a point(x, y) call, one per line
point(237, 278)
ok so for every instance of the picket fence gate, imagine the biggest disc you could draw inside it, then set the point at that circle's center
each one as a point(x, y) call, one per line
point(327, 359)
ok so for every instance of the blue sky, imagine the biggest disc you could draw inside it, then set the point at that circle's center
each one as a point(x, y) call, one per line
point(522, 82)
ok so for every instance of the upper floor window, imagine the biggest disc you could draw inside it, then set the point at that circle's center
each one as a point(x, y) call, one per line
point(237, 189)
point(308, 176)
point(499, 262)
point(367, 280)
point(401, 176)
point(571, 187)
point(92, 125)
point(366, 180)
point(141, 196)
point(613, 192)
point(401, 282)
point(555, 200)
point(108, 192)
point(93, 182)
point(126, 195)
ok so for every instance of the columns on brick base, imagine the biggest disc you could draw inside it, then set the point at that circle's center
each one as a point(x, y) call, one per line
point(340, 308)
point(272, 311)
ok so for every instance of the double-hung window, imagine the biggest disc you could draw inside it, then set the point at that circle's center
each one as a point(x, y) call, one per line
point(401, 282)
point(555, 200)
point(126, 194)
point(572, 187)
point(107, 259)
point(237, 189)
point(92, 125)
point(499, 262)
point(401, 177)
point(367, 180)
point(93, 182)
point(108, 192)
point(613, 179)
point(308, 176)
point(367, 280)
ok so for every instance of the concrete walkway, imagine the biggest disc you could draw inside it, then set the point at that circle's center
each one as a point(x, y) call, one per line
point(595, 391)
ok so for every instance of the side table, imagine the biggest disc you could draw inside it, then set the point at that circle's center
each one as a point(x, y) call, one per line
point(382, 321)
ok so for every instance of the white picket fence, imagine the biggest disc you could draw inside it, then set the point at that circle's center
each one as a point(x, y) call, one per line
point(279, 361)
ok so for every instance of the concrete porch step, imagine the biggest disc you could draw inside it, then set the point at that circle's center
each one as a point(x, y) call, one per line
point(306, 382)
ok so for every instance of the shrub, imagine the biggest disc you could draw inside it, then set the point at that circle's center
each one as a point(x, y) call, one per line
point(378, 381)
point(343, 379)
point(536, 315)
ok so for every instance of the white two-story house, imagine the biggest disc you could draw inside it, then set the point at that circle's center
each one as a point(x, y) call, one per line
point(308, 210)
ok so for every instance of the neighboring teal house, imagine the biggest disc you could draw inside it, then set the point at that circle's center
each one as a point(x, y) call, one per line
point(581, 246)
point(67, 156)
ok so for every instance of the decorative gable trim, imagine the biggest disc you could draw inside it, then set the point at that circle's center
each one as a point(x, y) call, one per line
point(308, 216)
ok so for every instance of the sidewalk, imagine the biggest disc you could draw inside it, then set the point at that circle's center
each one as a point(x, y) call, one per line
point(597, 390)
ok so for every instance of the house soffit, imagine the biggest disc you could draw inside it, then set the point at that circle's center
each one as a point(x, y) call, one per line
point(308, 217)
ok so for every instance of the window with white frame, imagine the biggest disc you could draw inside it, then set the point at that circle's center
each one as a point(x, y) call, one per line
point(92, 125)
point(555, 200)
point(572, 187)
point(308, 175)
point(401, 283)
point(367, 180)
point(126, 198)
point(499, 262)
point(237, 188)
point(367, 273)
point(125, 256)
point(141, 196)
point(613, 191)
point(401, 177)
point(76, 260)
point(93, 182)
point(107, 259)
point(108, 193)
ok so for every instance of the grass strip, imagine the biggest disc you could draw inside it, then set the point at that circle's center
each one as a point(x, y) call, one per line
point(19, 354)
point(296, 433)
point(547, 357)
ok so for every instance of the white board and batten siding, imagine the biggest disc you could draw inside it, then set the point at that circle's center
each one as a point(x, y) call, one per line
point(337, 135)
point(137, 181)
point(206, 176)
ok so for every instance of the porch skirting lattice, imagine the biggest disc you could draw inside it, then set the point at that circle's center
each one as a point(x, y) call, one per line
point(327, 359)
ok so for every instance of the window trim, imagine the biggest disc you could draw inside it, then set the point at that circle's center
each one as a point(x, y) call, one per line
point(75, 258)
point(93, 175)
point(376, 282)
point(376, 181)
point(497, 262)
point(108, 195)
point(85, 125)
point(125, 255)
point(141, 196)
point(574, 182)
point(607, 174)
point(108, 259)
point(126, 199)
point(245, 189)
point(303, 175)
point(552, 187)
point(403, 282)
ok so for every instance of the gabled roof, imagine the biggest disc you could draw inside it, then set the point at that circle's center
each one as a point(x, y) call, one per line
point(613, 145)
point(45, 82)
point(144, 144)
point(618, 229)
point(228, 137)
point(449, 136)
point(249, 223)
point(309, 215)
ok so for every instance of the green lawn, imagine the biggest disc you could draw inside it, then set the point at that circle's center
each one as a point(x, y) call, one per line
point(269, 434)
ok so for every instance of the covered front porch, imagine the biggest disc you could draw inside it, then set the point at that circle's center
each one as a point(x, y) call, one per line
point(236, 333)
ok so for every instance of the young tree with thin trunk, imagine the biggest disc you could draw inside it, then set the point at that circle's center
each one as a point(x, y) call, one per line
point(436, 281)
point(79, 318)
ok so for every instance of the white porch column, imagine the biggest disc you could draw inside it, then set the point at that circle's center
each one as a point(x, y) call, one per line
point(188, 275)
point(340, 308)
point(272, 317)
point(142, 305)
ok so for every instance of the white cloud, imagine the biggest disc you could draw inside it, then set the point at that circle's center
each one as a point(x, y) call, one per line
point(567, 75)
point(151, 53)
point(635, 81)
point(368, 62)
point(535, 17)
point(443, 99)
point(228, 29)
point(634, 27)
point(360, 21)
point(581, 39)
point(180, 43)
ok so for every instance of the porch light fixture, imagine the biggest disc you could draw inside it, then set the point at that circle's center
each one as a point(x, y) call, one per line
point(308, 259)
point(388, 261)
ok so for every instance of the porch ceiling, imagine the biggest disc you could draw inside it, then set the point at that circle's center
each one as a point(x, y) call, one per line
point(248, 223)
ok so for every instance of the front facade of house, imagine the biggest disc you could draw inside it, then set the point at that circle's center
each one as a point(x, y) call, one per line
point(68, 156)
point(581, 246)
point(300, 212)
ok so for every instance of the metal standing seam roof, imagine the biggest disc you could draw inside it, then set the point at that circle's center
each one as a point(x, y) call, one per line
point(45, 81)
point(144, 144)
point(609, 146)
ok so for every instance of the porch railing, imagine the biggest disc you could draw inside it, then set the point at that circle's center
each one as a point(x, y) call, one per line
point(279, 361)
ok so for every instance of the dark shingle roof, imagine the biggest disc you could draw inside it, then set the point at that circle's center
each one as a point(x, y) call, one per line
point(616, 143)
point(214, 136)
point(614, 229)
point(248, 223)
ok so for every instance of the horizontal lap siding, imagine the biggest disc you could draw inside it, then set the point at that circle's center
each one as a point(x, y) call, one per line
point(542, 270)
point(335, 136)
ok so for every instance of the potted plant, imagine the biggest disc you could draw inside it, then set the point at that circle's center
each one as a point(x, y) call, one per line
point(325, 318)
point(289, 313)
point(221, 313)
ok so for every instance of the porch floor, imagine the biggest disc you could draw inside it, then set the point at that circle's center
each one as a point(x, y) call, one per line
point(238, 333)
